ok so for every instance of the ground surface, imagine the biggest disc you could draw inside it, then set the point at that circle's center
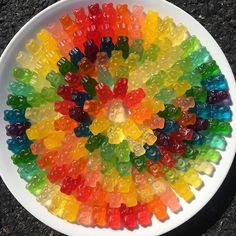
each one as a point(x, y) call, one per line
point(218, 217)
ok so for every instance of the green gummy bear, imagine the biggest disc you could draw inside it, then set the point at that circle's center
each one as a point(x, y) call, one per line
point(208, 154)
point(124, 168)
point(123, 45)
point(217, 127)
point(157, 80)
point(107, 150)
point(137, 47)
point(20, 88)
point(36, 99)
point(209, 69)
point(17, 101)
point(152, 53)
point(94, 142)
point(104, 76)
point(89, 85)
point(166, 95)
point(190, 45)
point(215, 141)
point(193, 77)
point(190, 153)
point(122, 151)
point(107, 166)
point(28, 170)
point(55, 79)
point(23, 157)
point(121, 72)
point(199, 94)
point(181, 164)
point(171, 175)
point(37, 183)
point(50, 94)
point(66, 66)
point(171, 112)
point(22, 74)
point(139, 163)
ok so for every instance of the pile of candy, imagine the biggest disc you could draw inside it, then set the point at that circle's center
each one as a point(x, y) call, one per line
point(113, 113)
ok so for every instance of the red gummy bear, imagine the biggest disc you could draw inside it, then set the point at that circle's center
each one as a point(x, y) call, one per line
point(69, 185)
point(134, 97)
point(104, 93)
point(57, 173)
point(64, 106)
point(65, 91)
point(120, 88)
point(114, 218)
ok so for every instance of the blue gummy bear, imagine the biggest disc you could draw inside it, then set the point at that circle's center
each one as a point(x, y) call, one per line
point(170, 126)
point(215, 83)
point(80, 97)
point(83, 130)
point(152, 152)
point(107, 45)
point(222, 113)
point(14, 116)
point(29, 170)
point(75, 56)
point(201, 110)
point(18, 143)
point(197, 139)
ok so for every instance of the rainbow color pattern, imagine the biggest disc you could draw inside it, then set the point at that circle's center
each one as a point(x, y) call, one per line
point(114, 115)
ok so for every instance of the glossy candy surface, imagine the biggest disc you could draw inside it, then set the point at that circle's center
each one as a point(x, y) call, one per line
point(114, 115)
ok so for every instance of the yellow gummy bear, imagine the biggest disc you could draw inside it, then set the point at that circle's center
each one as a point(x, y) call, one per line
point(145, 194)
point(168, 59)
point(153, 104)
point(37, 114)
point(166, 27)
point(173, 74)
point(124, 184)
point(115, 134)
point(54, 139)
point(150, 28)
point(182, 189)
point(47, 40)
point(191, 177)
point(148, 136)
point(99, 125)
point(71, 209)
point(116, 61)
point(42, 129)
point(42, 55)
point(79, 149)
point(179, 34)
point(58, 204)
point(130, 198)
point(181, 87)
point(109, 182)
point(131, 130)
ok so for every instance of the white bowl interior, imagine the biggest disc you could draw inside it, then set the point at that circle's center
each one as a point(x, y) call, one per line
point(17, 185)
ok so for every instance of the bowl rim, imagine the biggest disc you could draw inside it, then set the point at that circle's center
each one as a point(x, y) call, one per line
point(72, 229)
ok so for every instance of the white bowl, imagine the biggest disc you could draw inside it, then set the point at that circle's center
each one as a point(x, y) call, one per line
point(9, 172)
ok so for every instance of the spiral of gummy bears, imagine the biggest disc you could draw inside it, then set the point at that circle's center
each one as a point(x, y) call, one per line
point(114, 115)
